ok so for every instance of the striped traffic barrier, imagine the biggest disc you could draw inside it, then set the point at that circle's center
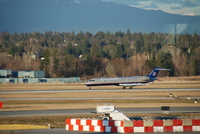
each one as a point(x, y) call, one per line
point(134, 126)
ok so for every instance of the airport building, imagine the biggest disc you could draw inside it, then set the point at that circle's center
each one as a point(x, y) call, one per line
point(28, 74)
point(8, 76)
point(5, 73)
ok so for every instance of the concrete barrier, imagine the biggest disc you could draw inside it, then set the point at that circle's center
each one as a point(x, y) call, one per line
point(135, 126)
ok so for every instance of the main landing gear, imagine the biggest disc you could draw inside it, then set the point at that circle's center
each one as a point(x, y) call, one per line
point(124, 87)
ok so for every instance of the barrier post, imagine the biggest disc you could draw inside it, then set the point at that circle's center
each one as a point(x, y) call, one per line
point(1, 105)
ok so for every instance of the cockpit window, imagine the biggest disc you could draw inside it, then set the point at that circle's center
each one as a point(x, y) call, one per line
point(91, 80)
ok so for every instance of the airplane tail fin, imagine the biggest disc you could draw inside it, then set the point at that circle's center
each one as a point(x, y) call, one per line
point(155, 72)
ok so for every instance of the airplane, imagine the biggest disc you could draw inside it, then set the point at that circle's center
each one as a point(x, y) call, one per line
point(125, 81)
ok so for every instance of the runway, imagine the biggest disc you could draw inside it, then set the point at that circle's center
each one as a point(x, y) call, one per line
point(98, 90)
point(91, 111)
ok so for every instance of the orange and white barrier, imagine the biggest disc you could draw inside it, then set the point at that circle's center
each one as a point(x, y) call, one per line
point(114, 126)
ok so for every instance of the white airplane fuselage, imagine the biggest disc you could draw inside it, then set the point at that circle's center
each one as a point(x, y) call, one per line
point(125, 81)
point(119, 81)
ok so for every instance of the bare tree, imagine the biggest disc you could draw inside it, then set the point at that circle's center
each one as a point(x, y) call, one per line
point(110, 69)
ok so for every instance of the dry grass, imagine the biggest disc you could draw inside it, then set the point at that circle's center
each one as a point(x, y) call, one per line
point(182, 79)
point(91, 104)
point(102, 94)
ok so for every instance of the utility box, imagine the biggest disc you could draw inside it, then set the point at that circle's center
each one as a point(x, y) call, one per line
point(165, 109)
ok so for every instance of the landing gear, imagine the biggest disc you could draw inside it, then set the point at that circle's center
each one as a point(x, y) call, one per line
point(124, 87)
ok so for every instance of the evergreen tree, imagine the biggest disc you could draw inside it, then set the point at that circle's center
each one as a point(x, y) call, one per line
point(69, 49)
point(69, 66)
point(195, 67)
point(165, 61)
point(12, 50)
point(89, 66)
point(45, 62)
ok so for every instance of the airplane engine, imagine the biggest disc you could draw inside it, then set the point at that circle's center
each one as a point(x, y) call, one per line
point(145, 78)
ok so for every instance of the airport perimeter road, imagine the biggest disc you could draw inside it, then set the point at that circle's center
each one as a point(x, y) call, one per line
point(88, 111)
point(99, 90)
point(63, 131)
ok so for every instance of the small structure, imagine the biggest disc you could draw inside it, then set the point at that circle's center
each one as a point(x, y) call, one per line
point(110, 112)
point(165, 109)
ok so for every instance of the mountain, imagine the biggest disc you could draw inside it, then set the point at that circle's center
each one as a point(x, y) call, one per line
point(89, 16)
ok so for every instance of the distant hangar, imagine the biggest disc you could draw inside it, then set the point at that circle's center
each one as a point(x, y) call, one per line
point(9, 76)
point(6, 73)
point(28, 74)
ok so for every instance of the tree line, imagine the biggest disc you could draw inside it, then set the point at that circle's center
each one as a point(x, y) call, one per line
point(102, 54)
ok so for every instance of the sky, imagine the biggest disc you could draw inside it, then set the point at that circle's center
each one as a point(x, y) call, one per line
point(182, 7)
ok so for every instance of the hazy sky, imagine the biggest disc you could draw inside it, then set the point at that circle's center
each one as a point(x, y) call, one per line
point(183, 7)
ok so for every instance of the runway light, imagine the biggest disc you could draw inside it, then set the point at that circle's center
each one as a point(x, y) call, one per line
point(195, 100)
point(170, 94)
